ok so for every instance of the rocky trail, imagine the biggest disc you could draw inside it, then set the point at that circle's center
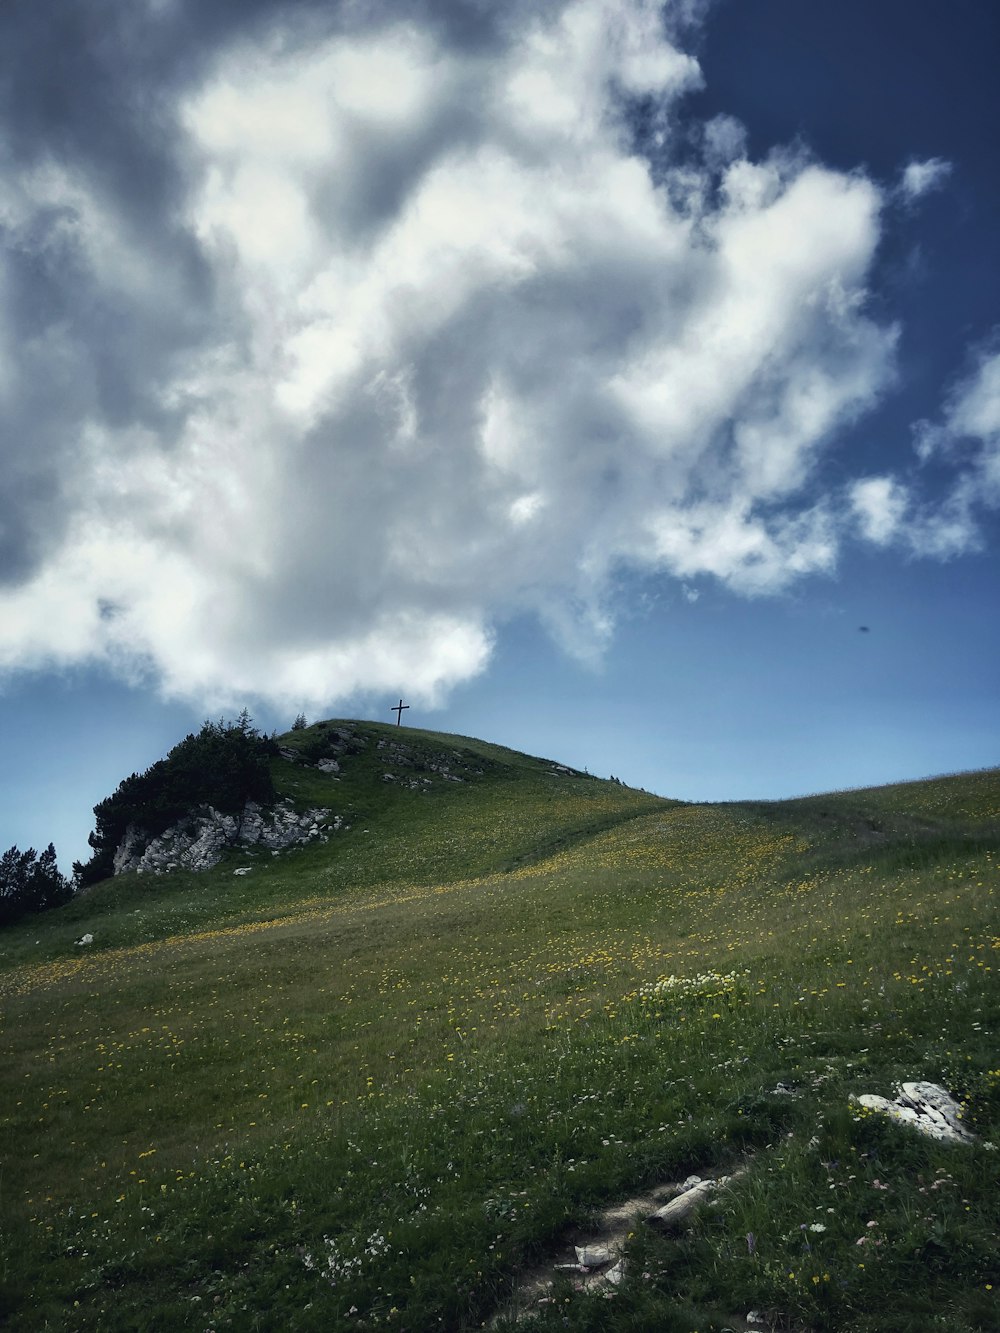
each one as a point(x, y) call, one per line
point(596, 1257)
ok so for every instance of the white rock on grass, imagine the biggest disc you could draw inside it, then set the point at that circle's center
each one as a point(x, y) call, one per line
point(608, 1277)
point(678, 1210)
point(615, 1276)
point(594, 1256)
point(783, 1090)
point(84, 939)
point(928, 1108)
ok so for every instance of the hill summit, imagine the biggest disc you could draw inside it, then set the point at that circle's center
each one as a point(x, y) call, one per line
point(231, 792)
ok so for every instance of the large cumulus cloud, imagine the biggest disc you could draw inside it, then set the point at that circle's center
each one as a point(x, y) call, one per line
point(358, 330)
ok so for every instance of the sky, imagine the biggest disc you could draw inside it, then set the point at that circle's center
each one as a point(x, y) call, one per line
point(611, 379)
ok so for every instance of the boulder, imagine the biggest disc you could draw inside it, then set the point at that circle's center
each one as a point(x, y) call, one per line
point(679, 1209)
point(594, 1255)
point(926, 1107)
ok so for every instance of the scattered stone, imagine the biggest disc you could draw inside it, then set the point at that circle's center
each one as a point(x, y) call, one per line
point(614, 1276)
point(783, 1090)
point(928, 1108)
point(756, 1321)
point(84, 939)
point(242, 870)
point(328, 766)
point(594, 1256)
point(679, 1209)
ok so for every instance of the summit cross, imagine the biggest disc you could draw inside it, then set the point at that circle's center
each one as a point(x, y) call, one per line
point(398, 709)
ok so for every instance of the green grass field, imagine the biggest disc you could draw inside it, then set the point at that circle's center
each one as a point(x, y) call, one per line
point(372, 1082)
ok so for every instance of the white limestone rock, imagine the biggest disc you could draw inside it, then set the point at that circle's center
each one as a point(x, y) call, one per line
point(615, 1276)
point(129, 851)
point(926, 1107)
point(594, 1256)
point(678, 1210)
point(200, 841)
point(693, 1193)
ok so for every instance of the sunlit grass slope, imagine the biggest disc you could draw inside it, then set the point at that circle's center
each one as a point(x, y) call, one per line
point(367, 1083)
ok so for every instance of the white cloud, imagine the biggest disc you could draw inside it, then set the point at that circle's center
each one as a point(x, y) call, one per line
point(967, 438)
point(974, 409)
point(920, 178)
point(725, 140)
point(966, 441)
point(745, 551)
point(879, 505)
point(470, 355)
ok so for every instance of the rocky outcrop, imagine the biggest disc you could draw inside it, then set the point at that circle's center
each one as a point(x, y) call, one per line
point(411, 767)
point(200, 841)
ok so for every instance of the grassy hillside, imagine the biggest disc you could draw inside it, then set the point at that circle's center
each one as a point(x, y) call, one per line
point(373, 1081)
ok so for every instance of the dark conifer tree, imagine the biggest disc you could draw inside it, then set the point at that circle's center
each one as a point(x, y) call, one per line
point(30, 883)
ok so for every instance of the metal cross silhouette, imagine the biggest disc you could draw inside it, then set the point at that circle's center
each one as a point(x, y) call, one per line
point(398, 710)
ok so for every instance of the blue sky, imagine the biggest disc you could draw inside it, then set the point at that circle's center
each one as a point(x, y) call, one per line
point(587, 372)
